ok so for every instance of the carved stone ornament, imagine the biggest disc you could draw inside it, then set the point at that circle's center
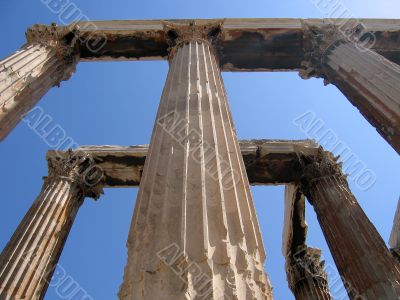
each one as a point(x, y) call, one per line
point(306, 264)
point(65, 39)
point(79, 168)
point(179, 34)
point(317, 167)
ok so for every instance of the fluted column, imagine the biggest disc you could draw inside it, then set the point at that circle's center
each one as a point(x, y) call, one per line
point(194, 233)
point(369, 81)
point(366, 266)
point(306, 276)
point(49, 57)
point(30, 257)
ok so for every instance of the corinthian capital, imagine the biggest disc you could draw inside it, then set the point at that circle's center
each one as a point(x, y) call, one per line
point(178, 34)
point(306, 264)
point(79, 168)
point(318, 41)
point(64, 39)
point(315, 168)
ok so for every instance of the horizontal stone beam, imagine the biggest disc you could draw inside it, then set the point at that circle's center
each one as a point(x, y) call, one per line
point(267, 161)
point(245, 44)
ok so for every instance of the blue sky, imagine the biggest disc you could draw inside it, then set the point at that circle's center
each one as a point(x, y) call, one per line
point(115, 103)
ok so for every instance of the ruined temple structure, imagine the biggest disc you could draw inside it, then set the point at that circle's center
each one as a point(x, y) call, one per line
point(194, 232)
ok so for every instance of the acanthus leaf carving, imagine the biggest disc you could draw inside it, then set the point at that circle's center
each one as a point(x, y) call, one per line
point(179, 34)
point(64, 40)
point(79, 168)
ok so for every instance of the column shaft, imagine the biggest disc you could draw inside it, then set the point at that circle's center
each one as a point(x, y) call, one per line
point(368, 80)
point(394, 241)
point(31, 256)
point(361, 256)
point(194, 199)
point(28, 74)
point(371, 83)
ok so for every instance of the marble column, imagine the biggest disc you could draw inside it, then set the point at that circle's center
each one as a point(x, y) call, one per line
point(49, 57)
point(365, 264)
point(394, 241)
point(194, 232)
point(31, 256)
point(369, 81)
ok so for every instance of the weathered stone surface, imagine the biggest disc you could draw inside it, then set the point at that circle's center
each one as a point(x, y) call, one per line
point(194, 197)
point(266, 161)
point(394, 241)
point(47, 59)
point(245, 44)
point(306, 276)
point(305, 272)
point(370, 81)
point(295, 226)
point(30, 257)
point(194, 233)
point(367, 268)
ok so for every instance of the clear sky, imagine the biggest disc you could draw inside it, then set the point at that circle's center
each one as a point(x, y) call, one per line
point(115, 103)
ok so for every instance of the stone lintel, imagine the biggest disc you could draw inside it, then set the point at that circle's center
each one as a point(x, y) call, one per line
point(245, 44)
point(267, 161)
